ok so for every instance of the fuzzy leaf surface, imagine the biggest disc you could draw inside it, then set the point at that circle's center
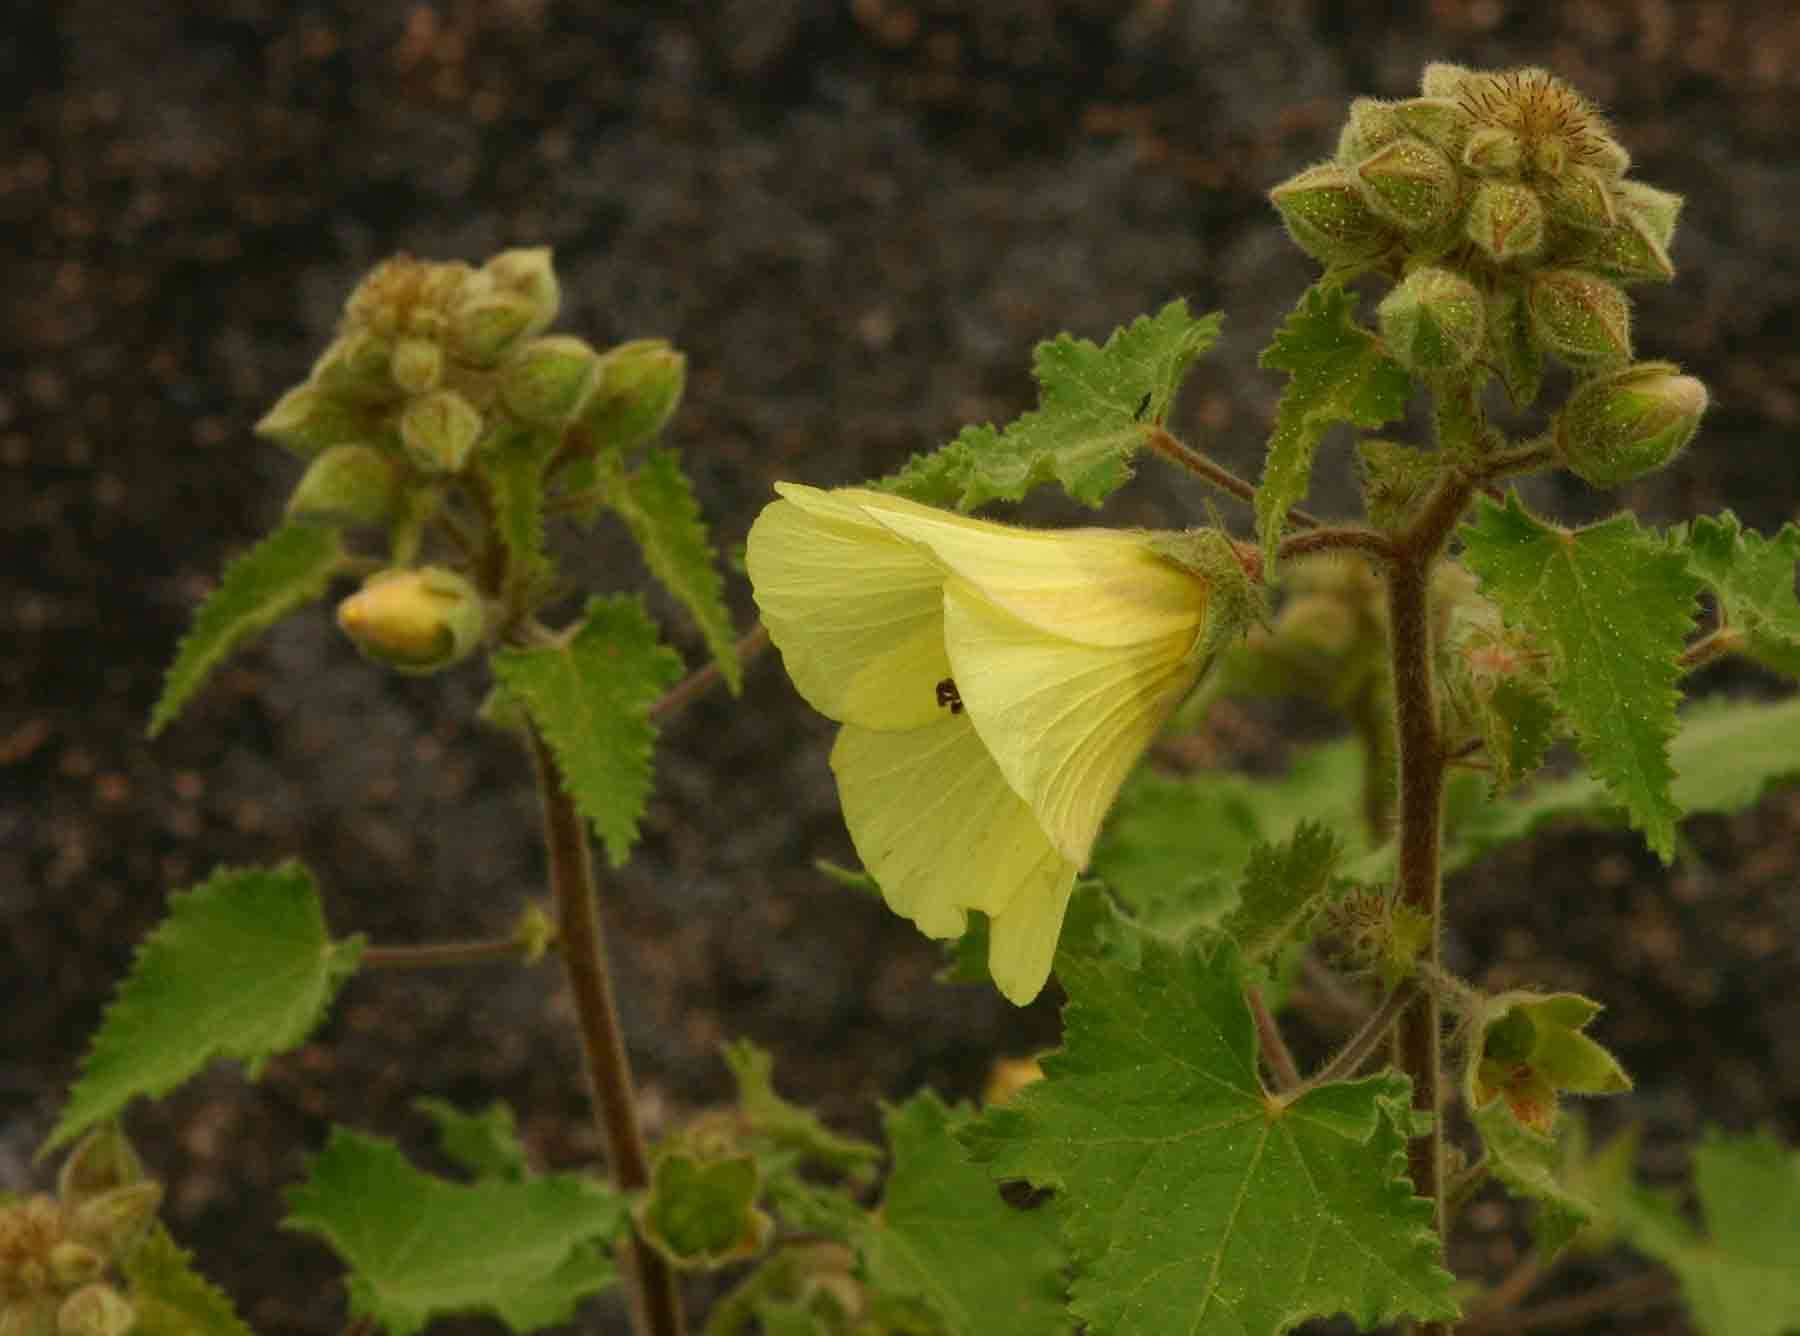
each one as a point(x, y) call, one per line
point(241, 967)
point(1338, 372)
point(1527, 1162)
point(419, 1247)
point(1741, 1278)
point(1284, 886)
point(590, 697)
point(702, 1212)
point(1194, 1202)
point(657, 504)
point(514, 459)
point(1613, 605)
point(1753, 578)
point(171, 1298)
point(1095, 403)
point(286, 570)
point(486, 1144)
point(945, 1236)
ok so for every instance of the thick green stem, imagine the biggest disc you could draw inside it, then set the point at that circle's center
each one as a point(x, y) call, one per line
point(656, 1301)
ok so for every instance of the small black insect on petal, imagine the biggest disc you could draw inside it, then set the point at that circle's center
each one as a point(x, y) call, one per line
point(948, 695)
point(1143, 406)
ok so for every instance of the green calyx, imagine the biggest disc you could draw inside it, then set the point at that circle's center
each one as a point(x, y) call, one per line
point(439, 431)
point(1410, 183)
point(550, 380)
point(1432, 322)
point(1328, 218)
point(347, 484)
point(1580, 318)
point(1506, 220)
point(640, 386)
point(1618, 427)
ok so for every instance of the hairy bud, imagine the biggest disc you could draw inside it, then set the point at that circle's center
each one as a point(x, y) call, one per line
point(348, 484)
point(1432, 322)
point(1580, 318)
point(1328, 219)
point(416, 621)
point(102, 1160)
point(439, 431)
point(1626, 252)
point(1656, 209)
point(529, 273)
point(550, 380)
point(1410, 183)
point(1493, 150)
point(417, 365)
point(1619, 427)
point(115, 1221)
point(1506, 220)
point(95, 1310)
point(641, 384)
point(358, 367)
point(306, 420)
point(489, 325)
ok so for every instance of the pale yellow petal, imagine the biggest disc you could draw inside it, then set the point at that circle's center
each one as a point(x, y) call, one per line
point(938, 828)
point(1064, 722)
point(1097, 586)
point(856, 610)
point(1022, 941)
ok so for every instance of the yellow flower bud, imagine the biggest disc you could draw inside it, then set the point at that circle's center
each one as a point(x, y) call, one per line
point(996, 685)
point(416, 621)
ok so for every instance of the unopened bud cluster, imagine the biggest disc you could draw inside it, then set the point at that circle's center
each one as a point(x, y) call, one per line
point(57, 1253)
point(438, 370)
point(1500, 205)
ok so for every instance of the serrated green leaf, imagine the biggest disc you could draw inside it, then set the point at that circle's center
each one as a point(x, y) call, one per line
point(1518, 724)
point(945, 1236)
point(1094, 405)
point(1741, 1278)
point(1172, 849)
point(241, 967)
point(1753, 578)
point(171, 1298)
point(658, 506)
point(286, 570)
point(485, 1143)
point(419, 1247)
point(513, 461)
point(1193, 1200)
point(590, 697)
point(1527, 1163)
point(1338, 372)
point(1284, 886)
point(1613, 606)
point(701, 1212)
point(788, 1125)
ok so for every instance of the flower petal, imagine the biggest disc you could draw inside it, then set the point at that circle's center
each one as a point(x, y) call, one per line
point(1065, 722)
point(937, 826)
point(856, 610)
point(1096, 586)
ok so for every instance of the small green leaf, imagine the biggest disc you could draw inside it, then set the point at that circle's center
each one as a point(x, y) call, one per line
point(171, 1298)
point(486, 1143)
point(1172, 848)
point(788, 1125)
point(1338, 372)
point(1753, 578)
point(1740, 1279)
point(1518, 724)
point(658, 506)
point(1193, 1200)
point(242, 967)
point(1284, 886)
point(419, 1247)
point(591, 699)
point(513, 459)
point(289, 568)
point(1526, 1162)
point(1613, 605)
point(1095, 404)
point(702, 1212)
point(945, 1236)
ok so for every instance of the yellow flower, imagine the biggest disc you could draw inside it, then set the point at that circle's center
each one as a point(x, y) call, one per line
point(996, 685)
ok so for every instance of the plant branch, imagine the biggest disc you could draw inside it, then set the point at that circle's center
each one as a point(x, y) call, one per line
point(656, 1302)
point(1651, 1289)
point(439, 955)
point(1337, 538)
point(1159, 440)
point(697, 683)
point(1274, 1047)
point(1366, 1040)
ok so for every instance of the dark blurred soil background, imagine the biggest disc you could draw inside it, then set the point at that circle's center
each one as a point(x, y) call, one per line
point(856, 217)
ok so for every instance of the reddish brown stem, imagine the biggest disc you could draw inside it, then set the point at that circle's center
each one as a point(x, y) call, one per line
point(697, 683)
point(439, 955)
point(1218, 475)
point(656, 1301)
point(1274, 1048)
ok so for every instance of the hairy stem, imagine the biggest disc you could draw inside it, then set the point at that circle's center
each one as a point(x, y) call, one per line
point(697, 683)
point(656, 1302)
point(1274, 1048)
point(1364, 1042)
point(1419, 878)
point(438, 955)
point(1218, 475)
